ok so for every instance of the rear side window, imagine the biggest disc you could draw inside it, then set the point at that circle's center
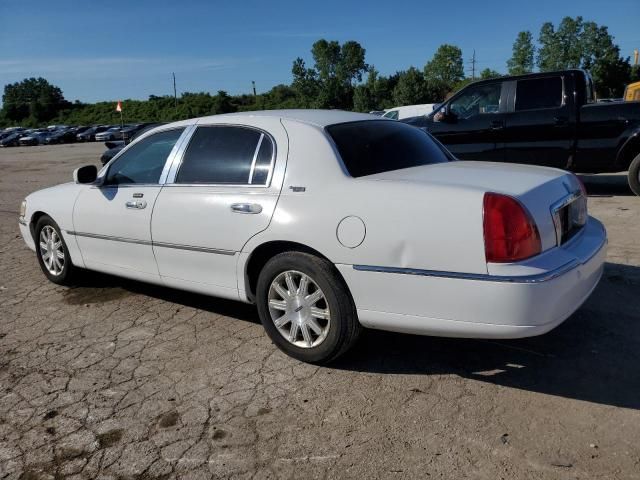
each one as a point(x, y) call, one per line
point(539, 93)
point(227, 155)
point(375, 146)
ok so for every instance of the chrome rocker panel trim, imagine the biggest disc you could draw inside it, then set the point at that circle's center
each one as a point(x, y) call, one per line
point(153, 244)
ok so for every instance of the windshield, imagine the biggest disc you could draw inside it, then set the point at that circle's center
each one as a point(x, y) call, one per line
point(374, 146)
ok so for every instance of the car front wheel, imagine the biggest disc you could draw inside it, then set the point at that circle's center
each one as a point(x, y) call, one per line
point(306, 308)
point(51, 250)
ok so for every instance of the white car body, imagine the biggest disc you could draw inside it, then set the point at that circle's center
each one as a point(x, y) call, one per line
point(110, 134)
point(408, 243)
point(408, 111)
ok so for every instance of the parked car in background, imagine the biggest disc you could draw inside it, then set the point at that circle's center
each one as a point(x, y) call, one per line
point(89, 135)
point(34, 138)
point(398, 113)
point(11, 140)
point(548, 119)
point(112, 133)
point(309, 215)
point(113, 148)
point(377, 113)
point(128, 131)
point(65, 135)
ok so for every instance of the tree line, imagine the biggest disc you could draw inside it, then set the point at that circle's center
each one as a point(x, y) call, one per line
point(341, 78)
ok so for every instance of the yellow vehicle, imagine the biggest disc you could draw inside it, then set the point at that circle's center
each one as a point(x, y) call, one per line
point(632, 92)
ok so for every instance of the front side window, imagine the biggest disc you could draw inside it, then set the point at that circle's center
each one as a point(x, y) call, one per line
point(477, 100)
point(539, 93)
point(375, 146)
point(143, 161)
point(227, 155)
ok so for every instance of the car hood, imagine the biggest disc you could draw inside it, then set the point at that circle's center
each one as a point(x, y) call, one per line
point(511, 179)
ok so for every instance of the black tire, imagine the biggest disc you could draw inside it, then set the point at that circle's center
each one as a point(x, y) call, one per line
point(344, 327)
point(634, 175)
point(68, 271)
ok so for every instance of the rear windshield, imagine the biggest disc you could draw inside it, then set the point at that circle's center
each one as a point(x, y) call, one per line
point(375, 146)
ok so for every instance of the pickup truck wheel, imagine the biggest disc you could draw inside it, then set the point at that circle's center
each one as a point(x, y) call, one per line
point(51, 250)
point(634, 175)
point(306, 308)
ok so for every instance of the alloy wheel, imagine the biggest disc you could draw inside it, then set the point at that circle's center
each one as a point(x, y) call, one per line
point(299, 309)
point(51, 250)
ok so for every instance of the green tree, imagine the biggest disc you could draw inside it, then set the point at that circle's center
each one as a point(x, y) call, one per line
point(330, 83)
point(580, 44)
point(521, 60)
point(443, 72)
point(305, 83)
point(561, 48)
point(488, 73)
point(410, 89)
point(34, 99)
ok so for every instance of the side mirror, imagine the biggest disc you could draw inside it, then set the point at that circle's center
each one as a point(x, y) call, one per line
point(86, 174)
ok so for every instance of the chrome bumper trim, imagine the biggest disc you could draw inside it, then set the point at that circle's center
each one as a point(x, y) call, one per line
point(535, 278)
point(151, 243)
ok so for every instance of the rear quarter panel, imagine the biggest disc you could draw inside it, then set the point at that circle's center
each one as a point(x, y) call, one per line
point(407, 225)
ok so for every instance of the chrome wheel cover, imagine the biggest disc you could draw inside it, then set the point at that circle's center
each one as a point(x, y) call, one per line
point(51, 250)
point(299, 309)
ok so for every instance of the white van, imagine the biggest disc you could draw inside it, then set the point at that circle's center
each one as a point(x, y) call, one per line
point(398, 113)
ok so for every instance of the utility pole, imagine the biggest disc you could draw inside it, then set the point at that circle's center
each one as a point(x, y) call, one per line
point(175, 95)
point(253, 83)
point(473, 65)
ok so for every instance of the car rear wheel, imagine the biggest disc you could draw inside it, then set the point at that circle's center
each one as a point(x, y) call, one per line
point(306, 308)
point(634, 175)
point(51, 250)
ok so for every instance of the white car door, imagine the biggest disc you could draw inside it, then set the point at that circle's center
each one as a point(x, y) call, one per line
point(218, 195)
point(112, 220)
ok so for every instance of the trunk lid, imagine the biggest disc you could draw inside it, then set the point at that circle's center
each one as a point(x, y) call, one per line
point(545, 192)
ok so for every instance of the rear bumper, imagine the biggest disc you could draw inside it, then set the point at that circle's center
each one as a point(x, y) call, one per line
point(481, 306)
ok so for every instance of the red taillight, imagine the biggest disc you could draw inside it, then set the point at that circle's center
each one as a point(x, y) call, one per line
point(510, 233)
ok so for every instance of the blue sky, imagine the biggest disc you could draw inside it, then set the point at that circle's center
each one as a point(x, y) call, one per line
point(114, 49)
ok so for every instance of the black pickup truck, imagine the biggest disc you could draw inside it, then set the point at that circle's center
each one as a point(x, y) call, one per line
point(548, 119)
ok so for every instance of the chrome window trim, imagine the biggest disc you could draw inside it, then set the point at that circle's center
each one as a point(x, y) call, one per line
point(151, 243)
point(177, 151)
point(105, 169)
point(173, 172)
point(255, 158)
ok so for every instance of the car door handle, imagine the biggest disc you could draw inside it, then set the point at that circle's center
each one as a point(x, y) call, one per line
point(496, 125)
point(246, 208)
point(560, 121)
point(136, 204)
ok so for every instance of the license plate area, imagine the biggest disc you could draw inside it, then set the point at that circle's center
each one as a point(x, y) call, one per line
point(569, 216)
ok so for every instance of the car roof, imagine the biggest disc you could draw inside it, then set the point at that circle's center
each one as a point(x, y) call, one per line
point(319, 118)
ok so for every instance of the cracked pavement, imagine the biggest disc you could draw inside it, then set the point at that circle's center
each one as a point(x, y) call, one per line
point(115, 379)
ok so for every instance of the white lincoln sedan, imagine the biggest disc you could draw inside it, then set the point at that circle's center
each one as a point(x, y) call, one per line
point(329, 222)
